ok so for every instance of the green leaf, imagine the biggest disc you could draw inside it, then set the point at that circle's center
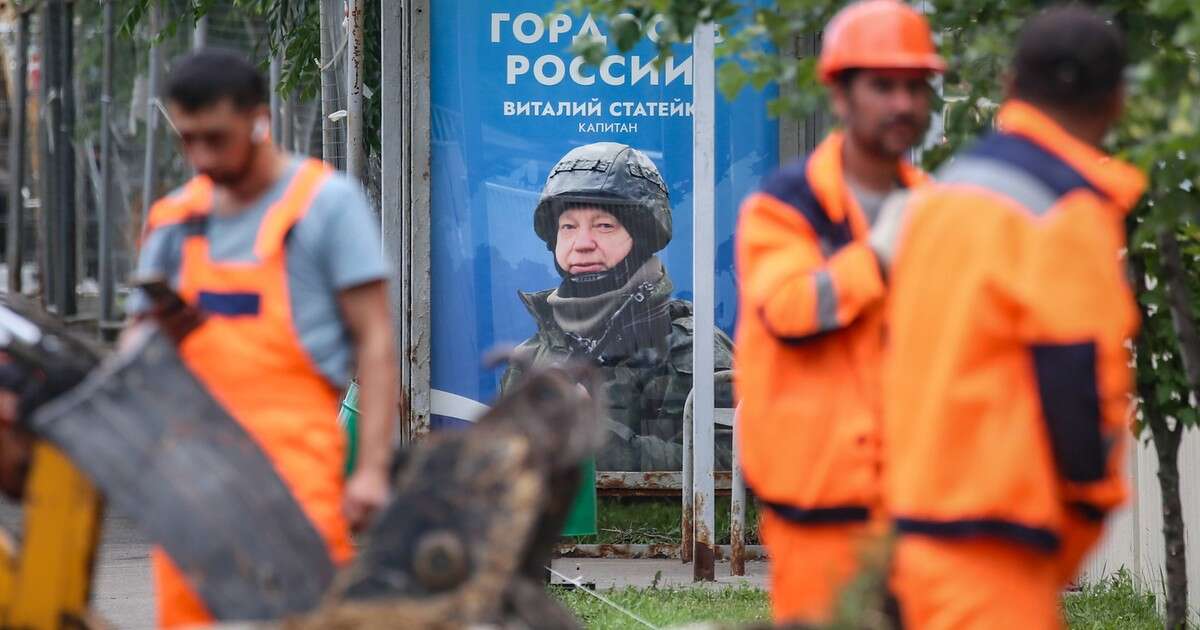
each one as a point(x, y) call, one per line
point(592, 49)
point(731, 78)
point(626, 30)
point(1162, 393)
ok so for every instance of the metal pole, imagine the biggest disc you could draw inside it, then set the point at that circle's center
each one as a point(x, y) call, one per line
point(687, 519)
point(703, 270)
point(105, 262)
point(355, 155)
point(391, 188)
point(737, 510)
point(199, 33)
point(45, 153)
point(415, 170)
point(53, 202)
point(287, 124)
point(276, 121)
point(83, 209)
point(66, 161)
point(150, 169)
point(789, 126)
point(329, 92)
point(16, 158)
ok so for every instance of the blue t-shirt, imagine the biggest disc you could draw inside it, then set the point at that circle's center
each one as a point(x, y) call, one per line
point(335, 246)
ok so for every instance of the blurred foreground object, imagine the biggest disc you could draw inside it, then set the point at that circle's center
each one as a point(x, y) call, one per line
point(464, 541)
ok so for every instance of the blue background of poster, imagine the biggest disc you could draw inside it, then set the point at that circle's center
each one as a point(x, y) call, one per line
point(488, 170)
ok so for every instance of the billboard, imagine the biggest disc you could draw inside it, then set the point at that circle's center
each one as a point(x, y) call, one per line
point(509, 103)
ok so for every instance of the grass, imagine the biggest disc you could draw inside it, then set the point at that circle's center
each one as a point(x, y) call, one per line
point(1115, 603)
point(637, 520)
point(666, 607)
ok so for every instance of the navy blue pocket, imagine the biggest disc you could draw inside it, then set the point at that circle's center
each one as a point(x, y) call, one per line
point(1066, 376)
point(230, 304)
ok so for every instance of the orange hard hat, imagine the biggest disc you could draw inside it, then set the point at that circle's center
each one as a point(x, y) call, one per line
point(877, 34)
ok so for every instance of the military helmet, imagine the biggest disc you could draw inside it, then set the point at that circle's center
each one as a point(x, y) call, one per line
point(618, 179)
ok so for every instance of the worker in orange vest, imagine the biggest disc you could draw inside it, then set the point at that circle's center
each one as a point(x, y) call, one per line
point(279, 264)
point(813, 282)
point(1007, 382)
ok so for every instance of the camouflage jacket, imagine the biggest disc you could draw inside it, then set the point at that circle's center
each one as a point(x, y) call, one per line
point(646, 399)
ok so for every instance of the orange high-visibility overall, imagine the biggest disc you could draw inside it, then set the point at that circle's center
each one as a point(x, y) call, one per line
point(1006, 382)
point(249, 357)
point(809, 341)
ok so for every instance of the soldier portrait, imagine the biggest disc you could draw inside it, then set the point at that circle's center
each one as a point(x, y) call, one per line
point(604, 214)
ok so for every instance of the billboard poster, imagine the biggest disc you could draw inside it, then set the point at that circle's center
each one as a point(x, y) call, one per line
point(562, 216)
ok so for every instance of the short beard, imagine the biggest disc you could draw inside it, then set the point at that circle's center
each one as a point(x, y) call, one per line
point(233, 177)
point(871, 143)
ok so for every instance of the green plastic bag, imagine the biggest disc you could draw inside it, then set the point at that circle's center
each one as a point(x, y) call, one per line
point(581, 520)
point(348, 420)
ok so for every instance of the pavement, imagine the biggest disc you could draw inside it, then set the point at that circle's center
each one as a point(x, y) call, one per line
point(124, 594)
point(122, 591)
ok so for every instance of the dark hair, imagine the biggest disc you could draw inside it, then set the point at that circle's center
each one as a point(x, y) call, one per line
point(208, 76)
point(1068, 57)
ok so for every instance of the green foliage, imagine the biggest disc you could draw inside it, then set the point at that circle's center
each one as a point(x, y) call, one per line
point(295, 30)
point(744, 31)
point(630, 20)
point(666, 607)
point(1160, 372)
point(1114, 603)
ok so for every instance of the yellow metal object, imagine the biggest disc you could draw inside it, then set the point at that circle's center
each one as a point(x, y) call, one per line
point(8, 573)
point(47, 583)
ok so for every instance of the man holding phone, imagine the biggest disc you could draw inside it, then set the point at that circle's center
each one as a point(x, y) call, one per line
point(267, 270)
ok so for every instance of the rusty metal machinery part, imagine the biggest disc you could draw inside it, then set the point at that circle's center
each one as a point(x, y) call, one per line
point(162, 450)
point(497, 493)
point(473, 521)
point(440, 562)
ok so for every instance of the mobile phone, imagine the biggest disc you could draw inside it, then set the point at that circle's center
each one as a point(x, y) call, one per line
point(160, 293)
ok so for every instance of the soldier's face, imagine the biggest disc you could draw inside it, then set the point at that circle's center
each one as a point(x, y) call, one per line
point(885, 112)
point(590, 240)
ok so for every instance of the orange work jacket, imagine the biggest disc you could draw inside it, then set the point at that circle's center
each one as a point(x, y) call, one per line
point(1007, 380)
point(249, 357)
point(809, 339)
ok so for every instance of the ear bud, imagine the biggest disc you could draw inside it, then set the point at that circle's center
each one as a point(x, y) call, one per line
point(262, 130)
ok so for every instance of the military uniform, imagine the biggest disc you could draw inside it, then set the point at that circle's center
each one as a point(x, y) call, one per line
point(646, 394)
point(639, 336)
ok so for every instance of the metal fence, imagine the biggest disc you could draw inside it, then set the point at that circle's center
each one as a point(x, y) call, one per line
point(77, 90)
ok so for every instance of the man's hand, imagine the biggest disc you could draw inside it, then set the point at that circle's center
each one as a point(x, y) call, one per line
point(367, 492)
point(365, 309)
point(886, 230)
point(177, 321)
